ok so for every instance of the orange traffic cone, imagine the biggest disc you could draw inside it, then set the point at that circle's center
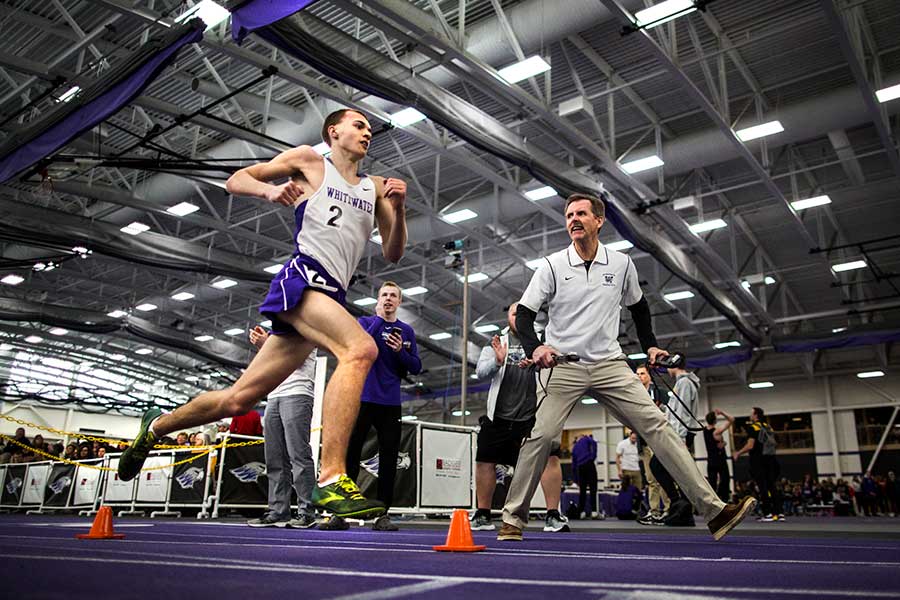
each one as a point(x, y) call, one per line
point(102, 529)
point(459, 538)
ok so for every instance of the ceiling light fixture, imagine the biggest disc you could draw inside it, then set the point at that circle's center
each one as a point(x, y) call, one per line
point(888, 93)
point(182, 209)
point(663, 12)
point(531, 66)
point(729, 344)
point(474, 277)
point(209, 12)
point(620, 245)
point(58, 331)
point(708, 225)
point(203, 338)
point(642, 164)
point(182, 296)
point(406, 117)
point(459, 215)
point(682, 295)
point(12, 280)
point(870, 374)
point(810, 202)
point(758, 131)
point(761, 385)
point(135, 228)
point(367, 301)
point(146, 307)
point(540, 193)
point(415, 290)
point(224, 284)
point(848, 266)
point(441, 335)
point(69, 93)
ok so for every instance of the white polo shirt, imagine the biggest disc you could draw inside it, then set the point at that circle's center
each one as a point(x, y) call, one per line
point(584, 304)
point(629, 454)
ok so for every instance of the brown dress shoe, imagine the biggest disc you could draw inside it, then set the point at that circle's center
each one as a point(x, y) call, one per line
point(730, 516)
point(509, 533)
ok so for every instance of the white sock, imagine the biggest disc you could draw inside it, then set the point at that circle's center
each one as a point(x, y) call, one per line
point(152, 423)
point(330, 480)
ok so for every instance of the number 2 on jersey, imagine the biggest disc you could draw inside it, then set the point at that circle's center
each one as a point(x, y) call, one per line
point(333, 221)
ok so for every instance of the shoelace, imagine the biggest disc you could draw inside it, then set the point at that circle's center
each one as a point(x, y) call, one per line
point(350, 488)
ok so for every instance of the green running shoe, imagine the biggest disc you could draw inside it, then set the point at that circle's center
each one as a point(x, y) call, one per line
point(343, 499)
point(133, 458)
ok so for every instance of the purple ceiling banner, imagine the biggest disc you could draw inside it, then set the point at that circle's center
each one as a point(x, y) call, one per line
point(848, 340)
point(720, 359)
point(249, 16)
point(96, 102)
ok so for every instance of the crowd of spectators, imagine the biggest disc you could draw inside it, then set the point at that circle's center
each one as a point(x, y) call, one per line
point(869, 495)
point(37, 448)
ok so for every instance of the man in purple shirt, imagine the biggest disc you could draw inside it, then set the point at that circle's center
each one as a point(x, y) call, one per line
point(584, 471)
point(380, 408)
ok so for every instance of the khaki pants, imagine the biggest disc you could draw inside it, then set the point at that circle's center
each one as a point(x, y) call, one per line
point(614, 384)
point(654, 490)
point(636, 479)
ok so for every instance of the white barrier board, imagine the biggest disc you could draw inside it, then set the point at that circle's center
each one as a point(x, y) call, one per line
point(86, 481)
point(116, 489)
point(446, 468)
point(35, 482)
point(153, 484)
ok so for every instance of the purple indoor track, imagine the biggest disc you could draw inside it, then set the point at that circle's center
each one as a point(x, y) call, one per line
point(199, 559)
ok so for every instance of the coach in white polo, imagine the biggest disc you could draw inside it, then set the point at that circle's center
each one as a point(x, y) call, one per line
point(585, 286)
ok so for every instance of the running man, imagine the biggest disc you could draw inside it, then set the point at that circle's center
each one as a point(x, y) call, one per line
point(335, 209)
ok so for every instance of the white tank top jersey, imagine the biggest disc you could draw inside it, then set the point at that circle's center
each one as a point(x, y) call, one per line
point(334, 223)
point(301, 382)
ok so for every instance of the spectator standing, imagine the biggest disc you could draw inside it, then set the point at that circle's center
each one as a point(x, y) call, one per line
point(716, 457)
point(398, 356)
point(511, 404)
point(656, 495)
point(289, 459)
point(584, 470)
point(764, 468)
point(249, 423)
point(627, 461)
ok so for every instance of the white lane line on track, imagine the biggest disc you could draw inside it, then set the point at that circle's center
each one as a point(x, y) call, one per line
point(560, 538)
point(426, 549)
point(84, 525)
point(555, 583)
point(400, 591)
